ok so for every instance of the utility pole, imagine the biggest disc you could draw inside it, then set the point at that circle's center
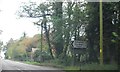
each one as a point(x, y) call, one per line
point(101, 33)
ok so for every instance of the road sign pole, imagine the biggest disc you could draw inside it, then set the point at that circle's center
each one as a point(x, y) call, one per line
point(101, 33)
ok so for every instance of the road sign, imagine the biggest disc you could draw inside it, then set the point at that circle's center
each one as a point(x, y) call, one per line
point(79, 44)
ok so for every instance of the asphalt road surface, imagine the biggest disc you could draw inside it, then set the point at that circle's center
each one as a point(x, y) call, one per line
point(8, 65)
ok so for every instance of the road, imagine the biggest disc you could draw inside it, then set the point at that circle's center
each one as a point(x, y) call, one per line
point(8, 65)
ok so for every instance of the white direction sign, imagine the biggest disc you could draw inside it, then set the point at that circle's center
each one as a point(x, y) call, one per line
point(79, 44)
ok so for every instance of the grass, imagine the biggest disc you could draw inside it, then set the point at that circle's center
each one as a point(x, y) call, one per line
point(45, 64)
point(92, 66)
point(33, 63)
point(99, 67)
point(72, 68)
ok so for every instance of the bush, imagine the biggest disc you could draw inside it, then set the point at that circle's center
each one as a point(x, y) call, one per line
point(41, 56)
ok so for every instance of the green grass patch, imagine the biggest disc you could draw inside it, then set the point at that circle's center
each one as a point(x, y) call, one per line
point(92, 66)
point(51, 65)
point(72, 68)
point(44, 64)
point(99, 67)
point(30, 62)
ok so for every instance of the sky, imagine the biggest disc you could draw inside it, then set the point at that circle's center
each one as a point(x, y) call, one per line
point(13, 26)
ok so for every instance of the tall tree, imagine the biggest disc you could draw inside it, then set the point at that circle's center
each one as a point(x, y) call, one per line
point(40, 11)
point(58, 26)
point(111, 24)
point(92, 31)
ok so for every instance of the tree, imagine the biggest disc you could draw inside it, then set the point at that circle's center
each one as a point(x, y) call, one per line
point(60, 22)
point(111, 24)
point(57, 17)
point(92, 31)
point(40, 11)
point(110, 21)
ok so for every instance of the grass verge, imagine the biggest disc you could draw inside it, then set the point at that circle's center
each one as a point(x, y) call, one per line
point(83, 67)
point(45, 64)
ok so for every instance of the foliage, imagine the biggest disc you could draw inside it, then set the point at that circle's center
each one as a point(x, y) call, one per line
point(41, 56)
point(21, 49)
point(63, 22)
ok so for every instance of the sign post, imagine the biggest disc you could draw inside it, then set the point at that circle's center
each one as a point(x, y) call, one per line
point(79, 47)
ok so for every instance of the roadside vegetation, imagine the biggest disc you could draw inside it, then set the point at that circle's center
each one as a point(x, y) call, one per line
point(93, 66)
point(63, 23)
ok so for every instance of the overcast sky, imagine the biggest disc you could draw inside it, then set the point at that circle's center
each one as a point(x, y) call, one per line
point(10, 24)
